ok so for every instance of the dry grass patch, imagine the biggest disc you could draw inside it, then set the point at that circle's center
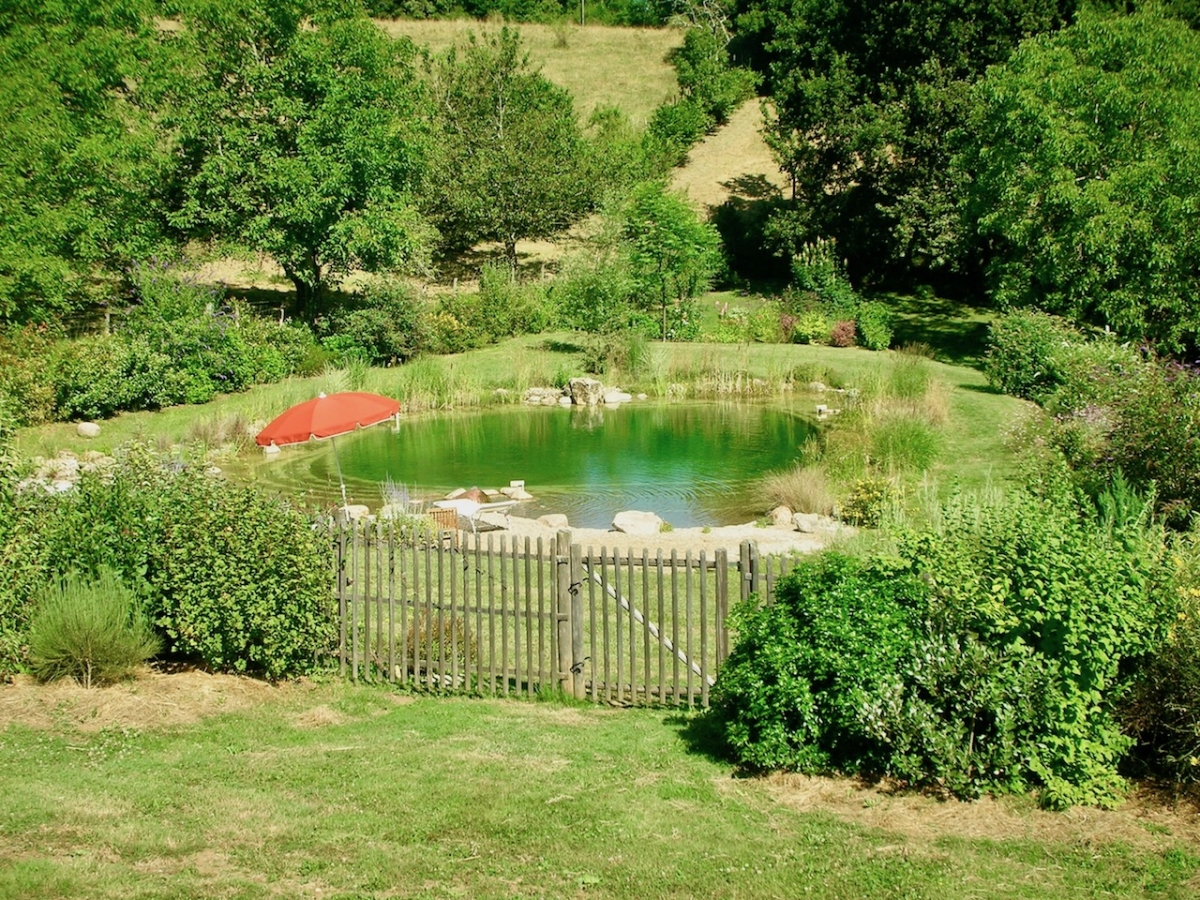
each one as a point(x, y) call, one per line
point(1142, 822)
point(600, 65)
point(154, 700)
point(734, 161)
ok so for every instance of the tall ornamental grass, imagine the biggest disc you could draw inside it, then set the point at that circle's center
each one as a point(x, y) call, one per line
point(89, 629)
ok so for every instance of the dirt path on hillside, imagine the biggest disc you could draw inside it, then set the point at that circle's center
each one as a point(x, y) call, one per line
point(735, 161)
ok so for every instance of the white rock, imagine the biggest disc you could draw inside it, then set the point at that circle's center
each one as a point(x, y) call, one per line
point(613, 397)
point(817, 387)
point(516, 493)
point(633, 522)
point(456, 493)
point(586, 391)
point(806, 522)
point(553, 520)
point(355, 511)
point(781, 517)
point(88, 429)
point(562, 401)
point(641, 396)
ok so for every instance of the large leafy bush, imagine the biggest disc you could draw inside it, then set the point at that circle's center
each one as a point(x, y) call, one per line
point(241, 580)
point(989, 655)
point(234, 578)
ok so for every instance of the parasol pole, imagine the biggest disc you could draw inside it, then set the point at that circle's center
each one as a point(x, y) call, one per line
point(342, 481)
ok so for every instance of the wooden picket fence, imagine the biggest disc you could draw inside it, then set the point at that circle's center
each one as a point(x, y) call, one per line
point(496, 614)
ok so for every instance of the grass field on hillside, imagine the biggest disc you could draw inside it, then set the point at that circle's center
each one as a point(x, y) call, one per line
point(600, 65)
point(347, 792)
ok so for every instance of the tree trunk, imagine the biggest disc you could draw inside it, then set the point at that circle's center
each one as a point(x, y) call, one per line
point(510, 253)
point(308, 283)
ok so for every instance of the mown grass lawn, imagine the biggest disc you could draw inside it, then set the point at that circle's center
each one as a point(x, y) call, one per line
point(343, 791)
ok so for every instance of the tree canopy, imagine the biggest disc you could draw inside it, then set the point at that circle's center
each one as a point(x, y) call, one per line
point(81, 161)
point(510, 155)
point(864, 92)
point(301, 133)
point(1082, 152)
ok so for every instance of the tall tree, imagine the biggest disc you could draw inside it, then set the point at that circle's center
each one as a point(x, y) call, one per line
point(1082, 155)
point(81, 159)
point(864, 92)
point(510, 158)
point(301, 134)
point(673, 255)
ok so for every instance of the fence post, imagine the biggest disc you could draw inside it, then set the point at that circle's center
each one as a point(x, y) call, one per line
point(756, 573)
point(562, 562)
point(341, 598)
point(576, 591)
point(744, 571)
point(722, 568)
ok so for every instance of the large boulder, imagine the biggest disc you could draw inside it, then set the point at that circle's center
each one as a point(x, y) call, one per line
point(88, 429)
point(614, 397)
point(516, 493)
point(586, 391)
point(637, 524)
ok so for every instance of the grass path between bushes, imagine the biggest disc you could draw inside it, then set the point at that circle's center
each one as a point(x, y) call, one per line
point(974, 452)
point(342, 791)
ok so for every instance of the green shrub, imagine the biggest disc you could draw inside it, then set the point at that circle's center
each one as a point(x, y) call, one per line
point(867, 501)
point(1063, 601)
point(1025, 352)
point(1163, 711)
point(816, 271)
point(240, 580)
point(89, 629)
point(705, 76)
point(874, 324)
point(792, 692)
point(507, 306)
point(26, 386)
point(811, 327)
point(387, 323)
point(1155, 439)
point(672, 131)
point(989, 655)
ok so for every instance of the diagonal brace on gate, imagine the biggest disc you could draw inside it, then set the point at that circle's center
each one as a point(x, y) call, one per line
point(655, 631)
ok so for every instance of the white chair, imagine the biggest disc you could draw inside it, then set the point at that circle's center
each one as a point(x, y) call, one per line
point(473, 511)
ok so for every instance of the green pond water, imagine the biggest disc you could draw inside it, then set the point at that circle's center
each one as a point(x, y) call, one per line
point(692, 463)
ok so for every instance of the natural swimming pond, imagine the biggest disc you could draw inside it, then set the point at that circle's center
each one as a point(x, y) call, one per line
point(692, 463)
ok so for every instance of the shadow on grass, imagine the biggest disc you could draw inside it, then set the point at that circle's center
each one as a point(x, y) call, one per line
point(561, 347)
point(955, 332)
point(701, 735)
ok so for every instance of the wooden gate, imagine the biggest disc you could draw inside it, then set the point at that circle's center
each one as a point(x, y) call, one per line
point(500, 615)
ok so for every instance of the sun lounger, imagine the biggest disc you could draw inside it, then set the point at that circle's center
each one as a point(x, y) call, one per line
point(473, 511)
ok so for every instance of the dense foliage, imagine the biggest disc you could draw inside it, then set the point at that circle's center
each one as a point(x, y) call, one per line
point(300, 134)
point(988, 655)
point(81, 162)
point(180, 343)
point(1081, 160)
point(227, 575)
point(863, 97)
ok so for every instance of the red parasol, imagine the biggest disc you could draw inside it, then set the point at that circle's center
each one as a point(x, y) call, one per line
point(328, 417)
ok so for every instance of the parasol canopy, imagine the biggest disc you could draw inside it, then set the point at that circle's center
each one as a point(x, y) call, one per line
point(327, 416)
